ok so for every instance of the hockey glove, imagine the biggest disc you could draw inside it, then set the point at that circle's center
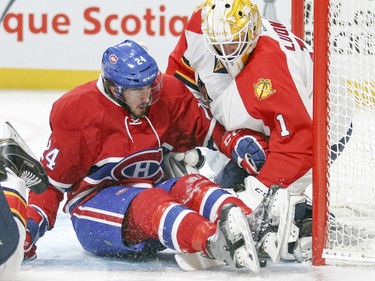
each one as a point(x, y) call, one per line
point(247, 148)
point(37, 225)
point(179, 164)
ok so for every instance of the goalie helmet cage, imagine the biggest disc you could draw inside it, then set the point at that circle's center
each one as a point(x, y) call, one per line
point(342, 33)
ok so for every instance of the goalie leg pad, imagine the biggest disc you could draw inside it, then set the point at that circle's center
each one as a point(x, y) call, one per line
point(291, 230)
point(253, 193)
point(270, 209)
point(272, 241)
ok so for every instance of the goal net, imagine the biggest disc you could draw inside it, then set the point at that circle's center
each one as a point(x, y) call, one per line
point(342, 33)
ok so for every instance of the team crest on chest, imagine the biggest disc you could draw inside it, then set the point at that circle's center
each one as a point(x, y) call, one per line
point(263, 89)
point(143, 164)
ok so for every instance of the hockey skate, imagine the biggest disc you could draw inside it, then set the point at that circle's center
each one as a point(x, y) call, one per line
point(269, 221)
point(232, 242)
point(3, 173)
point(15, 155)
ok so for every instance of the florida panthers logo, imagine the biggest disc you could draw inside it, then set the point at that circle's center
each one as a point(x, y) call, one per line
point(263, 89)
point(145, 164)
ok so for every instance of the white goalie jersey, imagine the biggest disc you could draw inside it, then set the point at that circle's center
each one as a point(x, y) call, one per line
point(272, 95)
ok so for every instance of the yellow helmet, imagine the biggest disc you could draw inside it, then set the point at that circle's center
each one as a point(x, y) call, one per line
point(231, 30)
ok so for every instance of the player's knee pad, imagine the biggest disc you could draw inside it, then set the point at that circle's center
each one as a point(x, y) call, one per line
point(9, 232)
point(190, 188)
point(9, 266)
point(12, 216)
point(198, 193)
point(15, 192)
point(144, 207)
point(149, 199)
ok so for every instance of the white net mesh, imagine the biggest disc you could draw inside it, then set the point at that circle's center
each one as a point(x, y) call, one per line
point(351, 174)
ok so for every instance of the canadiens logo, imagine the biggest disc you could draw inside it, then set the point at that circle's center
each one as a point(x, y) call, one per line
point(113, 59)
point(144, 164)
point(263, 89)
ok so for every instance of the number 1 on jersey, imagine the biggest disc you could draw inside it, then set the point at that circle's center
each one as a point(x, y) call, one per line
point(284, 130)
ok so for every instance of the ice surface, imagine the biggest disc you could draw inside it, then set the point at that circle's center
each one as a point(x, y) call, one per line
point(60, 256)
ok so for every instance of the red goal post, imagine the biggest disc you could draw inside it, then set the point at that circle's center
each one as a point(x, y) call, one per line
point(342, 33)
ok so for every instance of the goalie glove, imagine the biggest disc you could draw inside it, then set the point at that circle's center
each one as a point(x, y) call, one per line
point(247, 148)
point(183, 163)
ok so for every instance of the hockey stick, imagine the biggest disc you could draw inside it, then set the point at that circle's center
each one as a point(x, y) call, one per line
point(6, 10)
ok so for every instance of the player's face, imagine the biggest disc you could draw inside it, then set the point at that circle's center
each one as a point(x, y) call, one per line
point(230, 48)
point(138, 99)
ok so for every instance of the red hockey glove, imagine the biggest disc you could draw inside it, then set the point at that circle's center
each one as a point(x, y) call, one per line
point(37, 225)
point(29, 248)
point(247, 148)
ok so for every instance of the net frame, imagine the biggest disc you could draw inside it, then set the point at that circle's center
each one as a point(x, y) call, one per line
point(335, 136)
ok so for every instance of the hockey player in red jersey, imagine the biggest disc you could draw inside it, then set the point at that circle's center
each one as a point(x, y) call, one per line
point(18, 170)
point(105, 153)
point(252, 73)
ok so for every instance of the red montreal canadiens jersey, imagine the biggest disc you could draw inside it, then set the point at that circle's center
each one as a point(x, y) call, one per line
point(272, 95)
point(96, 143)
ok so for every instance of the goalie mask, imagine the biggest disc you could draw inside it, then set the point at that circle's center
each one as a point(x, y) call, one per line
point(132, 71)
point(231, 30)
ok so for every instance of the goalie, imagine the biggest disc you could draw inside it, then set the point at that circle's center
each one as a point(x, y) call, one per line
point(18, 170)
point(253, 74)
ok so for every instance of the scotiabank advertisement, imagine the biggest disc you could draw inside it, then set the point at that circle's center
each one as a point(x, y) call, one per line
point(59, 43)
point(56, 44)
point(72, 34)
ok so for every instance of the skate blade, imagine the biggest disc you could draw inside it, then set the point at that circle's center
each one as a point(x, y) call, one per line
point(195, 261)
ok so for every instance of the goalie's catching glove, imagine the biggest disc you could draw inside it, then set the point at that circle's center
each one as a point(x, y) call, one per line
point(247, 148)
